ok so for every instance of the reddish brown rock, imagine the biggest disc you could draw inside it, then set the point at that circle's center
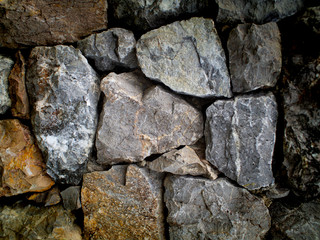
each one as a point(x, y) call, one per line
point(48, 22)
point(17, 88)
point(21, 165)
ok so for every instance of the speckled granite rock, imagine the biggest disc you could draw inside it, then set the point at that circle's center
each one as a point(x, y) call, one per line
point(123, 203)
point(48, 22)
point(21, 166)
point(240, 136)
point(254, 56)
point(145, 15)
point(64, 92)
point(29, 222)
point(140, 119)
point(110, 49)
point(5, 68)
point(186, 56)
point(206, 209)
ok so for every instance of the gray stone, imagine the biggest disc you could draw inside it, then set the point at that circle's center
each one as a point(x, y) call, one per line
point(256, 11)
point(240, 136)
point(64, 93)
point(254, 56)
point(206, 209)
point(5, 67)
point(110, 49)
point(302, 130)
point(296, 223)
point(139, 119)
point(71, 198)
point(311, 19)
point(186, 56)
point(145, 15)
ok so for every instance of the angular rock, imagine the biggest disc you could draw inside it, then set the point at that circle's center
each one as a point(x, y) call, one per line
point(110, 49)
point(123, 203)
point(186, 56)
point(206, 209)
point(145, 15)
point(256, 11)
point(302, 130)
point(71, 198)
point(139, 119)
point(45, 22)
point(22, 221)
point(5, 67)
point(17, 89)
point(296, 223)
point(240, 136)
point(254, 56)
point(48, 198)
point(64, 93)
point(21, 166)
point(184, 161)
point(311, 19)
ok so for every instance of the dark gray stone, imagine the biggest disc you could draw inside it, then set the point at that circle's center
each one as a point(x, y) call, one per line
point(5, 67)
point(64, 93)
point(110, 49)
point(186, 56)
point(311, 19)
point(254, 56)
point(71, 198)
point(240, 136)
point(206, 209)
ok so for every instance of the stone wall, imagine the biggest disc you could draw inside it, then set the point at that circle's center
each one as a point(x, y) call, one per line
point(187, 119)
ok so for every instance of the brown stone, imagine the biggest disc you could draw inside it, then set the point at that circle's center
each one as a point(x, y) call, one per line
point(21, 164)
point(17, 88)
point(123, 203)
point(48, 198)
point(48, 22)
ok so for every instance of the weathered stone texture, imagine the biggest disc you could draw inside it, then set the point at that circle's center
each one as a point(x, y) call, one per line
point(110, 49)
point(240, 136)
point(48, 22)
point(254, 56)
point(186, 56)
point(256, 11)
point(21, 166)
point(48, 198)
point(29, 222)
point(140, 119)
point(64, 93)
point(71, 198)
point(123, 203)
point(5, 68)
point(311, 19)
point(206, 209)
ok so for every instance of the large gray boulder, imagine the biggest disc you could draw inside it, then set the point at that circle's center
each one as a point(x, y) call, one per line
point(255, 58)
point(206, 209)
point(186, 56)
point(139, 119)
point(110, 49)
point(5, 67)
point(64, 93)
point(240, 136)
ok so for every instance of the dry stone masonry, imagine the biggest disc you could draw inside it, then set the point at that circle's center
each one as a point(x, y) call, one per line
point(169, 119)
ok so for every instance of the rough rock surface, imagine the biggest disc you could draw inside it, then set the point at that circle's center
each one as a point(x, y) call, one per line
point(123, 203)
point(140, 119)
point(30, 222)
point(256, 11)
point(43, 22)
point(64, 92)
point(254, 56)
point(302, 130)
point(48, 198)
point(240, 136)
point(186, 56)
point(21, 166)
point(206, 209)
point(110, 49)
point(311, 19)
point(296, 223)
point(5, 68)
point(71, 198)
point(17, 89)
point(145, 15)
point(184, 161)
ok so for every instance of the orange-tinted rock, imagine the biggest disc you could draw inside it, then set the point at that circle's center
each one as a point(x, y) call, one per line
point(22, 167)
point(123, 203)
point(48, 198)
